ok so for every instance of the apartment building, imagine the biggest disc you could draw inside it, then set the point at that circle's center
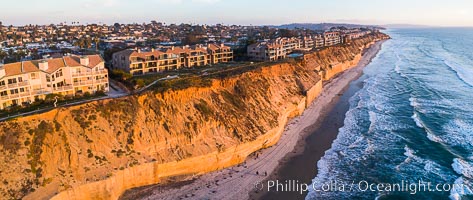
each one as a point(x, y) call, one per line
point(219, 54)
point(266, 51)
point(332, 38)
point(273, 50)
point(136, 62)
point(318, 41)
point(350, 35)
point(194, 56)
point(24, 82)
point(308, 42)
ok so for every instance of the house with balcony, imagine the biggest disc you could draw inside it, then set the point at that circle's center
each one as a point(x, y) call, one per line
point(28, 81)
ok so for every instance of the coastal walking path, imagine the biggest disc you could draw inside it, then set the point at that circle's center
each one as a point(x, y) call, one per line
point(236, 182)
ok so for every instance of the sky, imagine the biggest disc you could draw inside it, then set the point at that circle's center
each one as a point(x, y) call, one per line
point(240, 12)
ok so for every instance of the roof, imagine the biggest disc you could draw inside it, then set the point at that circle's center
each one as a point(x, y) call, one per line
point(215, 47)
point(134, 53)
point(18, 68)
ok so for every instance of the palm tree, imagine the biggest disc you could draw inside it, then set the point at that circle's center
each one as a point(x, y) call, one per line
point(96, 40)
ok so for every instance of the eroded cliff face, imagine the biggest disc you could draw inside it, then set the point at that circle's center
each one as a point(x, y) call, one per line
point(98, 150)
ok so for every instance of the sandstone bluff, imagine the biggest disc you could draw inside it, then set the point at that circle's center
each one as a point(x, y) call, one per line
point(98, 150)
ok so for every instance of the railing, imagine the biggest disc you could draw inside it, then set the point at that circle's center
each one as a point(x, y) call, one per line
point(101, 81)
point(4, 97)
point(13, 96)
point(12, 85)
point(63, 88)
point(81, 74)
point(24, 83)
point(3, 87)
point(83, 83)
point(24, 94)
point(102, 71)
point(41, 91)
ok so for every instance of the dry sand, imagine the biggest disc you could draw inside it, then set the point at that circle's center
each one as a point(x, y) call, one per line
point(238, 181)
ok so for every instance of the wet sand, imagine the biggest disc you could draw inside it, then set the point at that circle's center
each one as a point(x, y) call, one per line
point(294, 157)
point(302, 165)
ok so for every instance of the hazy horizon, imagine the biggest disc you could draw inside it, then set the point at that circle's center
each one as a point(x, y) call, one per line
point(243, 12)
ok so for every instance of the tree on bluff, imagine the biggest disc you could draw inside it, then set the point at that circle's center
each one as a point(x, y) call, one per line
point(287, 33)
point(191, 39)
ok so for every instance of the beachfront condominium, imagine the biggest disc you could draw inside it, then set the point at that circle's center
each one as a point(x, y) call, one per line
point(25, 82)
point(275, 49)
point(332, 38)
point(137, 62)
point(265, 51)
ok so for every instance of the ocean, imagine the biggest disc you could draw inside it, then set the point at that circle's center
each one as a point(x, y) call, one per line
point(409, 131)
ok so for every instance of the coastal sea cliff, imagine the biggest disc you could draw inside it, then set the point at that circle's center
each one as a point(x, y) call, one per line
point(100, 149)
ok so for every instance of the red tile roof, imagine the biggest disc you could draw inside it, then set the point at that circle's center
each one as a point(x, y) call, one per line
point(53, 64)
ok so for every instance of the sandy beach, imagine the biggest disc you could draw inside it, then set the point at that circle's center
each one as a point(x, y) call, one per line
point(274, 163)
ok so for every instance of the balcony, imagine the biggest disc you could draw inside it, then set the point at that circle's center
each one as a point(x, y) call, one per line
point(12, 85)
point(25, 94)
point(101, 81)
point(102, 71)
point(90, 82)
point(3, 87)
point(41, 91)
point(63, 88)
point(4, 97)
point(14, 96)
point(81, 74)
point(24, 83)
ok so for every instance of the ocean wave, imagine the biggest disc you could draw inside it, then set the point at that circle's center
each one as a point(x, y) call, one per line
point(462, 73)
point(372, 118)
point(430, 135)
point(437, 106)
point(461, 188)
point(459, 132)
point(410, 155)
point(433, 137)
point(397, 66)
point(417, 120)
point(462, 167)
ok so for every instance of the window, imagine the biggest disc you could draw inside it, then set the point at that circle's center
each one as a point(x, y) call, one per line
point(15, 91)
point(59, 73)
point(3, 93)
point(20, 79)
point(33, 76)
point(22, 89)
point(2, 83)
point(12, 81)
